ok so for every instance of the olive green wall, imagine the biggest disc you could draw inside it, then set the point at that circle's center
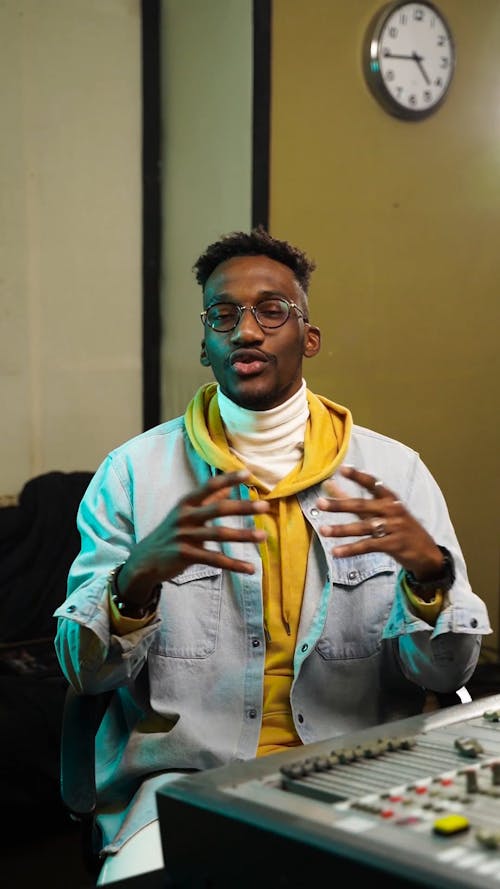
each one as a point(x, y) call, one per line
point(403, 220)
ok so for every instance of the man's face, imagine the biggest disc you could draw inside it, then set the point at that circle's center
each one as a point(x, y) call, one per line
point(257, 368)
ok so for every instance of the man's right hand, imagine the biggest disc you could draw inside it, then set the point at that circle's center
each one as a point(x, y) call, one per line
point(179, 540)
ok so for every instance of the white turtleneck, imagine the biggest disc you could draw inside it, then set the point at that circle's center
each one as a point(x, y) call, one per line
point(269, 442)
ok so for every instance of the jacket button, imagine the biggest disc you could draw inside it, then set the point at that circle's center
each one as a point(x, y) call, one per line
point(314, 511)
point(304, 647)
point(300, 717)
point(352, 575)
point(71, 608)
point(252, 713)
point(473, 622)
point(255, 643)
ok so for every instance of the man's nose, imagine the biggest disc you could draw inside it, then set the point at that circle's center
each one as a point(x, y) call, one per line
point(248, 326)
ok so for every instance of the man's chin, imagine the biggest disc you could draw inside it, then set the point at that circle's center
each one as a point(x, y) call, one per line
point(252, 398)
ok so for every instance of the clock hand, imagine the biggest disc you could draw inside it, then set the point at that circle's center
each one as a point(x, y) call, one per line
point(390, 55)
point(413, 58)
point(419, 59)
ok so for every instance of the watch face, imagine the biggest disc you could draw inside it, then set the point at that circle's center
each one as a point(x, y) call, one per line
point(409, 59)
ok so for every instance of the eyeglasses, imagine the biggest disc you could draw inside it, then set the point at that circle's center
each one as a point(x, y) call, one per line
point(269, 314)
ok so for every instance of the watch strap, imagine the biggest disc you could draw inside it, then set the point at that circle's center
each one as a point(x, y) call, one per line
point(134, 610)
point(441, 583)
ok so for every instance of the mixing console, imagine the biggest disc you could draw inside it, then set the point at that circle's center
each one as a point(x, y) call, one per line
point(416, 801)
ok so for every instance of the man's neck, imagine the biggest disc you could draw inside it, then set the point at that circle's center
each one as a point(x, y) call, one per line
point(269, 442)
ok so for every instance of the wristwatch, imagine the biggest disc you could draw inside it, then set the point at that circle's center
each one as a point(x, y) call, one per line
point(134, 610)
point(443, 583)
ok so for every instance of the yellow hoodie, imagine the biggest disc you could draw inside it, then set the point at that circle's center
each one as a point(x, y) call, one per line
point(284, 553)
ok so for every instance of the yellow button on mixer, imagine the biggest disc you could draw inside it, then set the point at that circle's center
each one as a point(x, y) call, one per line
point(451, 824)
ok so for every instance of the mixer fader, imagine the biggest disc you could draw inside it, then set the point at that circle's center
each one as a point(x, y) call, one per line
point(416, 801)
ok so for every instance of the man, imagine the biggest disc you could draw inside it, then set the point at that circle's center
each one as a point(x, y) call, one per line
point(261, 572)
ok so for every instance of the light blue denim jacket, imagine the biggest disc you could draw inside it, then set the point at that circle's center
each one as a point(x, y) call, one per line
point(190, 684)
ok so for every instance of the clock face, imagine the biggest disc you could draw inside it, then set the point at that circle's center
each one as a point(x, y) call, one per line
point(409, 59)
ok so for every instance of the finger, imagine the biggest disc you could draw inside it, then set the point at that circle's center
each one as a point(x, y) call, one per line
point(361, 506)
point(217, 484)
point(351, 529)
point(219, 508)
point(364, 507)
point(222, 533)
point(223, 492)
point(367, 545)
point(372, 484)
point(332, 489)
point(200, 555)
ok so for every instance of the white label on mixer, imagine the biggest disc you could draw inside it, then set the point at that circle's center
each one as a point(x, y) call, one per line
point(452, 854)
point(355, 824)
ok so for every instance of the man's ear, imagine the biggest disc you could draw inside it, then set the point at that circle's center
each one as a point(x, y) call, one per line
point(204, 359)
point(312, 343)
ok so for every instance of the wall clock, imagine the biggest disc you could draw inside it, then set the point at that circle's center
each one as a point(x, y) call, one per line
point(409, 58)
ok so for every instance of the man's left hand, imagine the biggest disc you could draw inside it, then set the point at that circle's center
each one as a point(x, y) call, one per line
point(382, 524)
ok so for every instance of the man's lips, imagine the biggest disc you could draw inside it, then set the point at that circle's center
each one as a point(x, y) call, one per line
point(248, 361)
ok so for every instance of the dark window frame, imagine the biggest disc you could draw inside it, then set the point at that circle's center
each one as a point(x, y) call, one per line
point(152, 232)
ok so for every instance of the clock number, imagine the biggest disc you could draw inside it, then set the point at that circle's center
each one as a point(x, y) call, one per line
point(441, 40)
point(427, 96)
point(418, 15)
point(444, 62)
point(393, 32)
point(412, 99)
point(390, 74)
point(403, 18)
point(438, 82)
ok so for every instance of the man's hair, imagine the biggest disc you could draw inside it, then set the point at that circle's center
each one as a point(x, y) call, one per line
point(258, 242)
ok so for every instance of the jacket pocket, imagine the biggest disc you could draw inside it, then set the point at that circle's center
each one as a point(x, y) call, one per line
point(362, 594)
point(190, 610)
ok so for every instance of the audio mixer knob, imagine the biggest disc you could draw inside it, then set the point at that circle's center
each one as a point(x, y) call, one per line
point(495, 772)
point(469, 747)
point(488, 838)
point(471, 781)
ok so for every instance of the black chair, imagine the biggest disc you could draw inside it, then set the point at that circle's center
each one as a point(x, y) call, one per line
point(38, 541)
point(82, 715)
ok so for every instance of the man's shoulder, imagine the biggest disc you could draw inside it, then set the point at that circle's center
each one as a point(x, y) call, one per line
point(384, 457)
point(371, 439)
point(150, 437)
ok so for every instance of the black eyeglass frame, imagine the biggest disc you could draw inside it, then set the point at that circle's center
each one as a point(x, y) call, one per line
point(253, 309)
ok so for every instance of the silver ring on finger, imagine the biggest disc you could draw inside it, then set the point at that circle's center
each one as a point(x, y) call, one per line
point(378, 528)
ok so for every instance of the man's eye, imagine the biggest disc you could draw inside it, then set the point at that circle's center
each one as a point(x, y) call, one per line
point(271, 310)
point(219, 313)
